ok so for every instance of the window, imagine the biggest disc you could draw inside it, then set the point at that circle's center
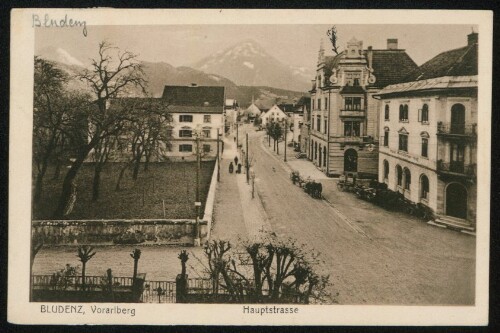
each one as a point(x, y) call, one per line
point(326, 103)
point(351, 128)
point(399, 175)
point(403, 142)
point(207, 118)
point(425, 143)
point(186, 148)
point(185, 133)
point(169, 132)
point(403, 112)
point(324, 156)
point(326, 126)
point(206, 148)
point(312, 101)
point(386, 137)
point(206, 132)
point(424, 187)
point(186, 118)
point(423, 114)
point(318, 120)
point(386, 170)
point(312, 122)
point(319, 103)
point(386, 114)
point(352, 103)
point(407, 179)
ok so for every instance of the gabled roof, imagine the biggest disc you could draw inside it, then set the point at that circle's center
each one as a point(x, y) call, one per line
point(160, 104)
point(457, 62)
point(194, 95)
point(253, 110)
point(391, 66)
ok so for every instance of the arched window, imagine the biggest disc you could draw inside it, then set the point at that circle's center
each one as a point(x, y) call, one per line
point(424, 187)
point(386, 136)
point(424, 114)
point(405, 112)
point(425, 144)
point(407, 176)
point(386, 170)
point(315, 150)
point(401, 112)
point(399, 175)
point(386, 114)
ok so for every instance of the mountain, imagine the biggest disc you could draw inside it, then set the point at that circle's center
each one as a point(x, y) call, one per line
point(249, 64)
point(160, 74)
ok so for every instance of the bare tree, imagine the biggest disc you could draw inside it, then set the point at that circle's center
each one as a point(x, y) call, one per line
point(110, 76)
point(332, 35)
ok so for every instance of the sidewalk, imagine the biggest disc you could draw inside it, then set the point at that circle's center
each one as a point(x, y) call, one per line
point(236, 213)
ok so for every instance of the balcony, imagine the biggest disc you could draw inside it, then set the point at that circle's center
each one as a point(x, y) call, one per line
point(457, 129)
point(352, 113)
point(457, 168)
point(352, 139)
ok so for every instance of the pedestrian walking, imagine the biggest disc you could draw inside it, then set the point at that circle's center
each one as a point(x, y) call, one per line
point(320, 191)
point(236, 160)
point(239, 168)
point(231, 167)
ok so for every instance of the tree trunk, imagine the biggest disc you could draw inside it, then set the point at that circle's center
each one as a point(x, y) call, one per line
point(68, 181)
point(136, 168)
point(83, 275)
point(120, 177)
point(38, 188)
point(57, 170)
point(97, 181)
point(146, 163)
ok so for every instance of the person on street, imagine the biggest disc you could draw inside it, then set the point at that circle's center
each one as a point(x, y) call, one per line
point(236, 160)
point(239, 168)
point(231, 167)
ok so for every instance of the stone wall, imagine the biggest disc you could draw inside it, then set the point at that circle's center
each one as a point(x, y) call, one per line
point(108, 232)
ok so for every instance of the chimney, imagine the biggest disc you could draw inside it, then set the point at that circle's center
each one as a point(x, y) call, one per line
point(392, 44)
point(369, 56)
point(472, 38)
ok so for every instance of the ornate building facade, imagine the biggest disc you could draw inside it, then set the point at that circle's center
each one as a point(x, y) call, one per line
point(343, 123)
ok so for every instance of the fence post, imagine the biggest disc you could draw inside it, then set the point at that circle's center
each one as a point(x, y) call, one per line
point(181, 288)
point(110, 284)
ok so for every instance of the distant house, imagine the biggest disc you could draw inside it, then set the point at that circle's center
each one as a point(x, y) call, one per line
point(274, 114)
point(252, 112)
point(231, 109)
point(428, 148)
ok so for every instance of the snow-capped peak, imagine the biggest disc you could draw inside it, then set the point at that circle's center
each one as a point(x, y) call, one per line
point(67, 58)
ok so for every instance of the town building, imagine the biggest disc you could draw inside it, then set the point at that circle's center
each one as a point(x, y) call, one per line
point(252, 112)
point(197, 111)
point(194, 112)
point(429, 135)
point(274, 114)
point(343, 123)
point(231, 110)
point(297, 115)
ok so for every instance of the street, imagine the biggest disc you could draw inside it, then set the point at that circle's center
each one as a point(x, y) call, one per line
point(373, 256)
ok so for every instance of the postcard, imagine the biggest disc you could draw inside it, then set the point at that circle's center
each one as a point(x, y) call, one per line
point(249, 167)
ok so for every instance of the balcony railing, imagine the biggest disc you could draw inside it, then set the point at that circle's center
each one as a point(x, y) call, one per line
point(352, 113)
point(466, 129)
point(352, 139)
point(457, 167)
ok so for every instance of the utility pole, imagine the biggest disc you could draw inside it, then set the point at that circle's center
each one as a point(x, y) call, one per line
point(237, 135)
point(247, 166)
point(286, 130)
point(197, 241)
point(218, 158)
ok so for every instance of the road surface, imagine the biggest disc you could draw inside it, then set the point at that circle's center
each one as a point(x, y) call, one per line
point(382, 258)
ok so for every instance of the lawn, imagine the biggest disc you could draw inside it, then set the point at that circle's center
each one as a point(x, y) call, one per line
point(173, 183)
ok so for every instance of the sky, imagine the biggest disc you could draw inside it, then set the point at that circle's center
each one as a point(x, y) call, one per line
point(297, 45)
